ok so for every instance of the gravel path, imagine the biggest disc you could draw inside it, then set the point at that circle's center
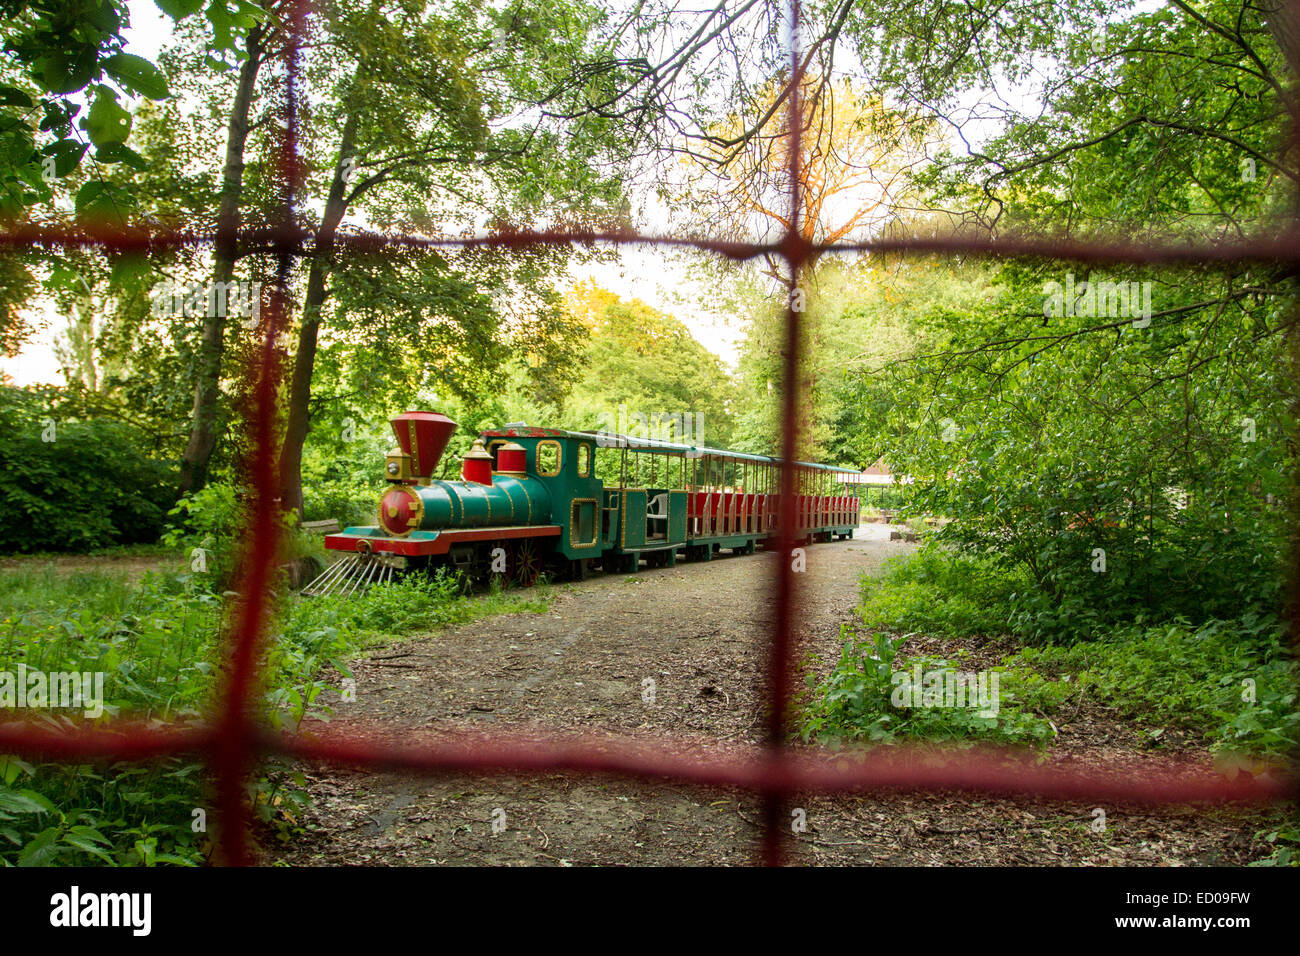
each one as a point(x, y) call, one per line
point(697, 631)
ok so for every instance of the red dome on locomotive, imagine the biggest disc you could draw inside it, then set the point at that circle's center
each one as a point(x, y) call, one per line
point(477, 466)
point(512, 459)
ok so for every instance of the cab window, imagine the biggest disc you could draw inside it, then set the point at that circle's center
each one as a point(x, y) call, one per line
point(548, 459)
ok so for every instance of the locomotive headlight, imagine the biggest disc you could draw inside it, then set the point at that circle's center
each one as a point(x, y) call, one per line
point(397, 465)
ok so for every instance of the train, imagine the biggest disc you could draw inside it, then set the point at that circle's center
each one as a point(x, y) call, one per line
point(531, 501)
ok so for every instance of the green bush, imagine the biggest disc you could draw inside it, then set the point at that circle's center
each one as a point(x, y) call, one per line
point(159, 647)
point(75, 485)
point(1175, 673)
point(1233, 681)
point(868, 696)
point(213, 520)
point(938, 592)
point(416, 602)
point(349, 502)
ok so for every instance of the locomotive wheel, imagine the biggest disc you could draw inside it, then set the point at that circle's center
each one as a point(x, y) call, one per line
point(526, 564)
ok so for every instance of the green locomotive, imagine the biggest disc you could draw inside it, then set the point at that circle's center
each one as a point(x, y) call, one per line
point(535, 499)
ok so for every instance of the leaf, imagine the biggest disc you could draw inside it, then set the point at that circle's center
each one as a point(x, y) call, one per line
point(120, 153)
point(100, 200)
point(67, 155)
point(17, 803)
point(61, 73)
point(11, 766)
point(87, 846)
point(42, 850)
point(106, 122)
point(89, 833)
point(41, 801)
point(179, 9)
point(137, 74)
point(12, 96)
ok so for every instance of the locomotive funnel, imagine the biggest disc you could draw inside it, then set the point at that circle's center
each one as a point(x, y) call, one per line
point(423, 436)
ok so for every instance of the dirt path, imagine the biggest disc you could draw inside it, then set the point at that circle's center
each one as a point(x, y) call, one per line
point(697, 631)
point(130, 566)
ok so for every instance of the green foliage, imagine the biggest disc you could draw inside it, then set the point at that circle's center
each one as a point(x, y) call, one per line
point(1233, 681)
point(414, 603)
point(213, 520)
point(116, 815)
point(1052, 436)
point(936, 592)
point(650, 363)
point(155, 646)
point(340, 468)
point(158, 646)
point(1114, 517)
point(864, 698)
point(1285, 841)
point(73, 485)
point(58, 49)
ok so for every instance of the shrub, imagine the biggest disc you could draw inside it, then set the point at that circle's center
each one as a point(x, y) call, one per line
point(213, 519)
point(1233, 681)
point(75, 485)
point(936, 591)
point(865, 697)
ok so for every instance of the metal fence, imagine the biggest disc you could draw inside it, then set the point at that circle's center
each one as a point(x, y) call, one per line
point(232, 741)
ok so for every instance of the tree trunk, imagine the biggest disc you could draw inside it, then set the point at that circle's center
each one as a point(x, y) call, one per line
point(207, 387)
point(298, 422)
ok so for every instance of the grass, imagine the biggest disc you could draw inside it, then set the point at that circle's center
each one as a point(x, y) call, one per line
point(157, 645)
point(143, 551)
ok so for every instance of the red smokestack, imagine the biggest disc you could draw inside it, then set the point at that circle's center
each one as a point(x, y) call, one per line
point(423, 436)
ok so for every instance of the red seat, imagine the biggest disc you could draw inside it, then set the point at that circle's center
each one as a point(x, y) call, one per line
point(694, 503)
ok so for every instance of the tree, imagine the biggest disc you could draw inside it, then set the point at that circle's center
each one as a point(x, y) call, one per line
point(428, 103)
point(205, 413)
point(1125, 447)
point(642, 362)
point(855, 163)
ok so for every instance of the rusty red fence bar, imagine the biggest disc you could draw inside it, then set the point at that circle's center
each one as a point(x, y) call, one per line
point(234, 742)
point(1284, 247)
point(989, 770)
